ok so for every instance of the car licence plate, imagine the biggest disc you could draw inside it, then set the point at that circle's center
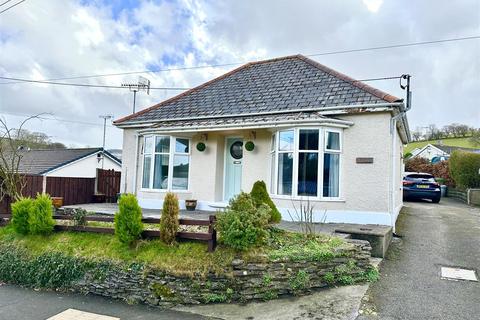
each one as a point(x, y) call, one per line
point(423, 186)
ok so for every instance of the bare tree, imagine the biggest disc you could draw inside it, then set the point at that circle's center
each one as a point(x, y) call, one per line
point(416, 135)
point(12, 181)
point(303, 215)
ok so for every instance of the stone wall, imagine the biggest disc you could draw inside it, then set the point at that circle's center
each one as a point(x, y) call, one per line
point(258, 278)
point(474, 197)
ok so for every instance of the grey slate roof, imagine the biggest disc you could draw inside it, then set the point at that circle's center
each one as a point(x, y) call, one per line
point(240, 120)
point(41, 161)
point(282, 84)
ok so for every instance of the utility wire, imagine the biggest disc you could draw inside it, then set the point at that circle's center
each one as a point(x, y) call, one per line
point(5, 2)
point(58, 119)
point(13, 5)
point(84, 84)
point(411, 44)
point(151, 88)
point(402, 45)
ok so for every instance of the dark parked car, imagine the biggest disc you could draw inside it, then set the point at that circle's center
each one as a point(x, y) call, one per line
point(417, 185)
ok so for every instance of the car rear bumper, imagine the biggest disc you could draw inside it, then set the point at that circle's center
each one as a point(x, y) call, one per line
point(421, 194)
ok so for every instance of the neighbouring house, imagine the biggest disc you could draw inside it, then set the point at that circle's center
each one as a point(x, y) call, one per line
point(438, 151)
point(74, 163)
point(117, 153)
point(311, 133)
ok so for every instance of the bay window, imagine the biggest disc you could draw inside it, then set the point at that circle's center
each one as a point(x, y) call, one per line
point(166, 162)
point(285, 162)
point(306, 162)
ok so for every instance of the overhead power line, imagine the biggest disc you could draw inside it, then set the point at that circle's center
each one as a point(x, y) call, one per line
point(84, 84)
point(5, 2)
point(411, 44)
point(58, 119)
point(401, 45)
point(13, 5)
point(69, 84)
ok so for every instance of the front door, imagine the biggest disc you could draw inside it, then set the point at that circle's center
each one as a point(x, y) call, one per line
point(233, 167)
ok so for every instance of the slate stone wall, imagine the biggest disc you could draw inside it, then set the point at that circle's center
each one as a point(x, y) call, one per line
point(257, 279)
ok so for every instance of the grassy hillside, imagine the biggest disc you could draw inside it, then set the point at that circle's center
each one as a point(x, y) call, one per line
point(455, 142)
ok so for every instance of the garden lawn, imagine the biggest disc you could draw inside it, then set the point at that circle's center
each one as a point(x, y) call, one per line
point(184, 258)
point(454, 142)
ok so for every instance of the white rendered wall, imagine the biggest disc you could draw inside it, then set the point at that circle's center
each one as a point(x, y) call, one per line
point(84, 168)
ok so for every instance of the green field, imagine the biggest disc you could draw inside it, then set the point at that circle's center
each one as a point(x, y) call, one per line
point(454, 142)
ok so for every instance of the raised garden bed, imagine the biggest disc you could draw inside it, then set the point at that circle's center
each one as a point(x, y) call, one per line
point(153, 273)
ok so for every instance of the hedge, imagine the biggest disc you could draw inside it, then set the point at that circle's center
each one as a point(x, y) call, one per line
point(438, 170)
point(464, 169)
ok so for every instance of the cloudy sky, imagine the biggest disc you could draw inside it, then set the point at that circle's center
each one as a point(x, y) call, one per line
point(58, 38)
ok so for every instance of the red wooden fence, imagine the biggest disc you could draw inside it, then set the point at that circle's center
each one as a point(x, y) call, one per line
point(108, 184)
point(33, 185)
point(73, 190)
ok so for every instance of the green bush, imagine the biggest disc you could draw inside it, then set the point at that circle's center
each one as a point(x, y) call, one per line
point(40, 220)
point(128, 219)
point(20, 213)
point(169, 219)
point(243, 225)
point(299, 282)
point(49, 270)
point(464, 168)
point(260, 196)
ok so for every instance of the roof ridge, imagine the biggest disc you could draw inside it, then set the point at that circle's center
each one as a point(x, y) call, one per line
point(359, 84)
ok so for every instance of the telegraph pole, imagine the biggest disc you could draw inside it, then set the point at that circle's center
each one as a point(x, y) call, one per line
point(104, 117)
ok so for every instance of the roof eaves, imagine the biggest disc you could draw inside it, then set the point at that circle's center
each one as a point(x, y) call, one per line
point(111, 156)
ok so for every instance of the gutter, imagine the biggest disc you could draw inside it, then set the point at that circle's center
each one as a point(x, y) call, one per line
point(320, 109)
point(332, 122)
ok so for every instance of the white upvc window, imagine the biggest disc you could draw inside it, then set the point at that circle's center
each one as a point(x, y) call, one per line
point(166, 163)
point(305, 162)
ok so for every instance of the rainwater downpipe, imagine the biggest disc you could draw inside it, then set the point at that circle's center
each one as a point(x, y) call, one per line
point(393, 127)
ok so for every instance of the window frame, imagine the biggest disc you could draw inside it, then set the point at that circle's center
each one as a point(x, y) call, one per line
point(171, 155)
point(322, 150)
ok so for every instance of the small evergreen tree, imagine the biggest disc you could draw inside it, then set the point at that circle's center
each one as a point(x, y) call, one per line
point(128, 219)
point(169, 219)
point(243, 225)
point(260, 196)
point(40, 218)
point(20, 213)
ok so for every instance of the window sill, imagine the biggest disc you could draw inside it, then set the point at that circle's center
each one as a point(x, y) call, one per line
point(163, 191)
point(316, 199)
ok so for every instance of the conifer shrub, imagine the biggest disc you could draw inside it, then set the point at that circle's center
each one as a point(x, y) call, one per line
point(243, 225)
point(128, 219)
point(20, 213)
point(464, 169)
point(260, 196)
point(169, 220)
point(40, 218)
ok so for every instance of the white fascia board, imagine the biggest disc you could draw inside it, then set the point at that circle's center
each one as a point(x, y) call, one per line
point(383, 106)
point(277, 124)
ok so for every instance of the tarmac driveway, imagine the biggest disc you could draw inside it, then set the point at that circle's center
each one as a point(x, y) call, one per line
point(410, 287)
